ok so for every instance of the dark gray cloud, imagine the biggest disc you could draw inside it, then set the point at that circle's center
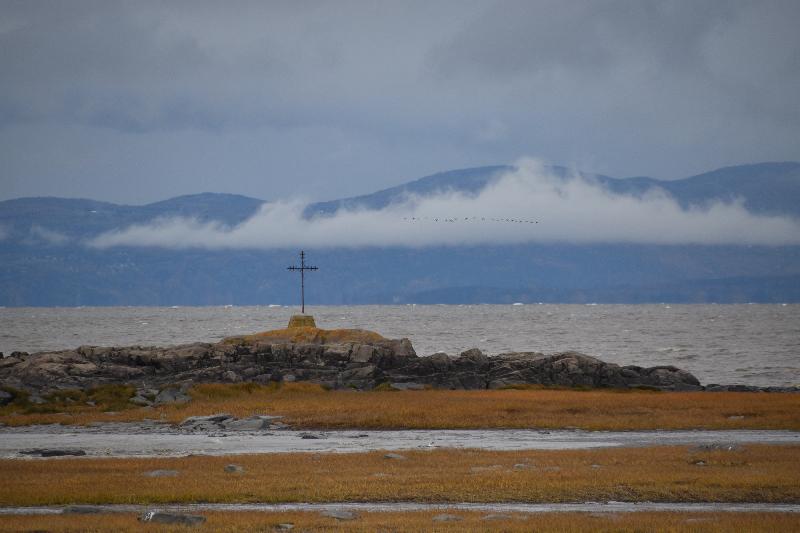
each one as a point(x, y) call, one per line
point(137, 101)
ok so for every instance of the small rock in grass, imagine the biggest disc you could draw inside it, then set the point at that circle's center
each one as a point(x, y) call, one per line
point(522, 466)
point(140, 401)
point(490, 468)
point(161, 517)
point(234, 469)
point(52, 452)
point(395, 456)
point(340, 514)
point(717, 446)
point(161, 473)
point(253, 423)
point(36, 399)
point(497, 516)
point(446, 518)
point(171, 395)
point(284, 527)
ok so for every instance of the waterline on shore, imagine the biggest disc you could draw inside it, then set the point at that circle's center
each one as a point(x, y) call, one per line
point(124, 441)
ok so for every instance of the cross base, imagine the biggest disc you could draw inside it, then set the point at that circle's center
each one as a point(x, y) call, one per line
point(302, 321)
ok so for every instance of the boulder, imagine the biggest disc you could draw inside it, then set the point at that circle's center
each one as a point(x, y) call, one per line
point(340, 514)
point(395, 456)
point(140, 401)
point(6, 397)
point(362, 354)
point(253, 423)
point(447, 518)
point(163, 517)
point(53, 452)
point(234, 469)
point(171, 395)
point(161, 473)
point(205, 423)
point(440, 361)
point(407, 386)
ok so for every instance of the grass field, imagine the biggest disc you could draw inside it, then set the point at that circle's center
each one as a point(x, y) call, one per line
point(757, 473)
point(424, 521)
point(309, 406)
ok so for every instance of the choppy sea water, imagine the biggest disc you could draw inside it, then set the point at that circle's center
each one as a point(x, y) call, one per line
point(750, 344)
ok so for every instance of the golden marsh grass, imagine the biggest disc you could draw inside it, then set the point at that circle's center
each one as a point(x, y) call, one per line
point(423, 521)
point(756, 473)
point(306, 405)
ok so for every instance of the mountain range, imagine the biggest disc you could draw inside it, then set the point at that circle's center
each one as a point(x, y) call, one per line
point(45, 262)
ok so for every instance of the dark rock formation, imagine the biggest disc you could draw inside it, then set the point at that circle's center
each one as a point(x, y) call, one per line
point(162, 375)
point(52, 452)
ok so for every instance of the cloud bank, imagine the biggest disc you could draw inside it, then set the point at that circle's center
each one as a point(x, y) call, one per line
point(575, 210)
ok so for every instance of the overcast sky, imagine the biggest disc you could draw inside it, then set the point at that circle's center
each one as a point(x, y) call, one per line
point(138, 101)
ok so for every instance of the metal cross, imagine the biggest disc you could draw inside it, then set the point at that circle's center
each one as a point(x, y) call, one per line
point(302, 268)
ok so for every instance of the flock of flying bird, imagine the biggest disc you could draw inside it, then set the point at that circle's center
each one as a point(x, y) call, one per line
point(470, 219)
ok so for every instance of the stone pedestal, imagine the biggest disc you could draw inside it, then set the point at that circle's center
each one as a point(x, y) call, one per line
point(302, 321)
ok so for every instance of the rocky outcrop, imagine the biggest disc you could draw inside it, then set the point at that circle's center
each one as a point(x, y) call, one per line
point(161, 375)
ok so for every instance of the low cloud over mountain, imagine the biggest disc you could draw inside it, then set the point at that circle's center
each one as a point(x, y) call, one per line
point(528, 204)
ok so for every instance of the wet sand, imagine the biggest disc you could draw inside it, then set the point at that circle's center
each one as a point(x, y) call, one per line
point(162, 440)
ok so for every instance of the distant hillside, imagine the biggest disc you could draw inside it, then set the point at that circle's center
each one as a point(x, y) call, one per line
point(44, 263)
point(82, 218)
point(765, 187)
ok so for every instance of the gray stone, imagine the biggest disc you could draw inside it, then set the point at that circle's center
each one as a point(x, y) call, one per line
point(440, 361)
point(140, 401)
point(363, 354)
point(171, 396)
point(311, 436)
point(163, 517)
point(234, 469)
point(474, 355)
point(253, 423)
point(161, 473)
point(395, 456)
point(446, 518)
point(231, 376)
point(205, 422)
point(340, 514)
point(286, 526)
point(53, 452)
point(497, 516)
point(6, 397)
point(407, 386)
